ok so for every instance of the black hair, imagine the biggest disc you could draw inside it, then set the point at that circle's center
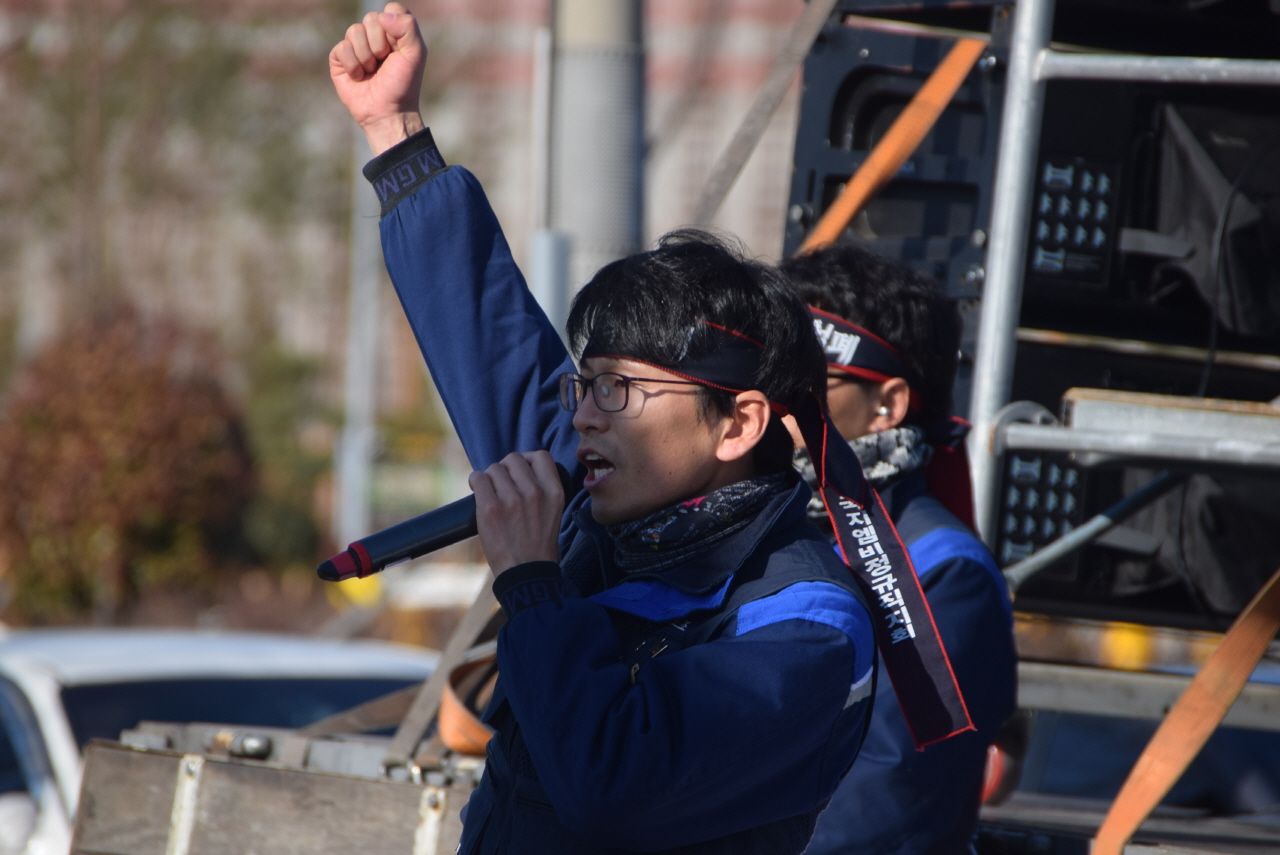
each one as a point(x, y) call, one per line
point(654, 307)
point(893, 301)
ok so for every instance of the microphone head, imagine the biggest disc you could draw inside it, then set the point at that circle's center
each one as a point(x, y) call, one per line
point(338, 568)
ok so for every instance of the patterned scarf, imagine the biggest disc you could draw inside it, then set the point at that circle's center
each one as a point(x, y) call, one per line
point(677, 533)
point(885, 457)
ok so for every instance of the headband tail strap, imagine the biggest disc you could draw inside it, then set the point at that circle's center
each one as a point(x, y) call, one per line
point(947, 474)
point(908, 640)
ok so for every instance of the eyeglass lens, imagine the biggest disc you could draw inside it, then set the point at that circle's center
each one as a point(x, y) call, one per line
point(608, 389)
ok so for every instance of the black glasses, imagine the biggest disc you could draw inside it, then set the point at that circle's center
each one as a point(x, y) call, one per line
point(609, 390)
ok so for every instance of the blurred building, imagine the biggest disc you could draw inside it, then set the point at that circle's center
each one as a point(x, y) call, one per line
point(705, 61)
point(193, 160)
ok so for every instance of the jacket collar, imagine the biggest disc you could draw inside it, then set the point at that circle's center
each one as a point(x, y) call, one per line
point(709, 572)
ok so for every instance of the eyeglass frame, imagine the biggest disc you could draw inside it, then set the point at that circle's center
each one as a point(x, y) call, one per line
point(578, 380)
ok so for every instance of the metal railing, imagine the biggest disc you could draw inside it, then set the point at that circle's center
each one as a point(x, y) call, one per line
point(1032, 62)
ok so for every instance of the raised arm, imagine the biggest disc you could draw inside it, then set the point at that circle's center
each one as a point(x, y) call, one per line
point(492, 352)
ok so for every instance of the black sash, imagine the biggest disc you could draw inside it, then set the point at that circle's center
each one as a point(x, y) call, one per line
point(905, 632)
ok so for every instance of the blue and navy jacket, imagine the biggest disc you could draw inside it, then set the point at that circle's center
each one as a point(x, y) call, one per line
point(710, 707)
point(899, 800)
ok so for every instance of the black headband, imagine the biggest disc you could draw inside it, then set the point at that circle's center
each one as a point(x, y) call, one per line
point(853, 350)
point(732, 365)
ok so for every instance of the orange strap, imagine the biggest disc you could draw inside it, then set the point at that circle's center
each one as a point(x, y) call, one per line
point(1192, 719)
point(901, 140)
point(427, 703)
point(457, 723)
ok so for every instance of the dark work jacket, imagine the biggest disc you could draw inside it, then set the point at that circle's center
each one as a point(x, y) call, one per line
point(899, 800)
point(713, 706)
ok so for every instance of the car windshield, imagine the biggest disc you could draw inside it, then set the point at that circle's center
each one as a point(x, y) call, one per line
point(102, 711)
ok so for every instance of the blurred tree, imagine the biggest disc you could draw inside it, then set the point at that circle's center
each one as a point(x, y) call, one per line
point(140, 134)
point(107, 85)
point(125, 467)
point(188, 158)
point(282, 411)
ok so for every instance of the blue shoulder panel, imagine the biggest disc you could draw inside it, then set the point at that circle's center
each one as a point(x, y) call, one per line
point(943, 544)
point(820, 602)
point(656, 601)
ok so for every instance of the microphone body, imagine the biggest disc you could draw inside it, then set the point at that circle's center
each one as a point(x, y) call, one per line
point(425, 533)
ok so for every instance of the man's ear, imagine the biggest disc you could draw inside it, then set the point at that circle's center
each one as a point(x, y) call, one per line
point(892, 399)
point(744, 428)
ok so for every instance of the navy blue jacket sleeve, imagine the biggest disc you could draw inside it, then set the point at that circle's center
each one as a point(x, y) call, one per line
point(896, 799)
point(493, 355)
point(687, 748)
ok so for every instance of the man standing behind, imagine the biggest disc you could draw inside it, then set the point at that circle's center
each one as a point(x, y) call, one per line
point(892, 340)
point(686, 666)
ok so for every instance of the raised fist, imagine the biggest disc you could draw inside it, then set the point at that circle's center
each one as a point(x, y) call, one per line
point(377, 72)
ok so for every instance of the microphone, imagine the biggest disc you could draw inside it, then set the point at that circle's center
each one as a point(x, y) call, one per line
point(414, 537)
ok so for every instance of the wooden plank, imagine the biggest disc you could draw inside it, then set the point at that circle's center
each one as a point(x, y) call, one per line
point(249, 809)
point(451, 827)
point(1172, 402)
point(126, 798)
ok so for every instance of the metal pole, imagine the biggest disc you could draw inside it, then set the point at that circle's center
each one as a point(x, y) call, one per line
point(549, 252)
point(1158, 69)
point(549, 249)
point(1002, 290)
point(351, 517)
point(1090, 531)
point(1257, 452)
point(543, 46)
point(598, 131)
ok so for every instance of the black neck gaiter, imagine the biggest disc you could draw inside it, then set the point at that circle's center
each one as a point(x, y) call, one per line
point(675, 534)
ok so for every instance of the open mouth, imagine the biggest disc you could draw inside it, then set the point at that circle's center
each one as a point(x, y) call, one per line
point(598, 469)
